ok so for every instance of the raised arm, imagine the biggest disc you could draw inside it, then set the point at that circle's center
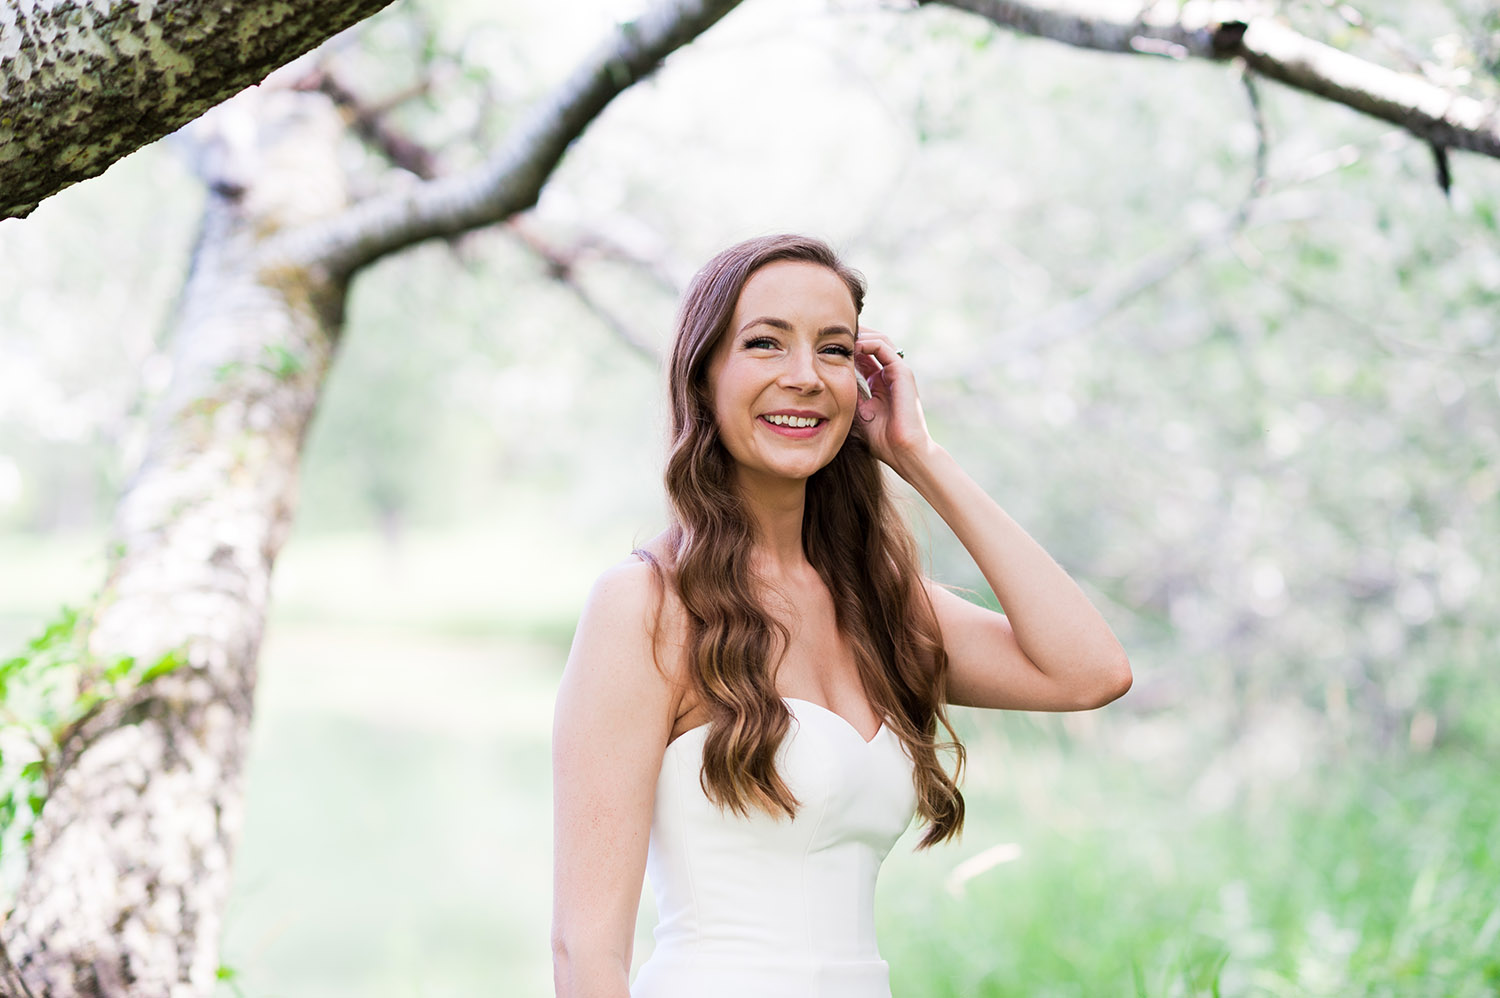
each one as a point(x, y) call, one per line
point(613, 718)
point(1051, 649)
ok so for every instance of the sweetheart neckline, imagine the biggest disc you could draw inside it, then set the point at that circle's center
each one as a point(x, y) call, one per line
point(832, 713)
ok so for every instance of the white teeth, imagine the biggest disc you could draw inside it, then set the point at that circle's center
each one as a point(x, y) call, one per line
point(797, 421)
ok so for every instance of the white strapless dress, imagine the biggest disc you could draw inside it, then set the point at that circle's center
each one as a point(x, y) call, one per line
point(756, 907)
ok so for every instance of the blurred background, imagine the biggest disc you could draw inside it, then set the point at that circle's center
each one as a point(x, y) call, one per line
point(1253, 409)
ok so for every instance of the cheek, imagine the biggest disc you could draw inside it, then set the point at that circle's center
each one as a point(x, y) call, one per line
point(725, 393)
point(846, 387)
point(729, 401)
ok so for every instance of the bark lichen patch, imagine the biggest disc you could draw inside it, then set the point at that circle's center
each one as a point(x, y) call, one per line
point(74, 158)
point(172, 62)
point(74, 71)
point(129, 44)
point(91, 41)
point(19, 68)
point(266, 16)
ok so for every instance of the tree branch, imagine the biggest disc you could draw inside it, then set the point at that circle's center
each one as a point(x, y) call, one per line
point(370, 122)
point(1431, 112)
point(1109, 295)
point(511, 180)
point(562, 266)
point(12, 984)
point(84, 82)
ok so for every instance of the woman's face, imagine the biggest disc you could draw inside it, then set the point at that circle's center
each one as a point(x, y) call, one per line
point(783, 381)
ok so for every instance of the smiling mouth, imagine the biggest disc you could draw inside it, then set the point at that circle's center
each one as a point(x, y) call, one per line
point(794, 422)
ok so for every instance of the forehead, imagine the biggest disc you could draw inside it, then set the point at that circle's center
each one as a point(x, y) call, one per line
point(797, 291)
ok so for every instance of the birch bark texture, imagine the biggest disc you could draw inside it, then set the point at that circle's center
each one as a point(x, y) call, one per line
point(84, 82)
point(1221, 31)
point(129, 869)
point(130, 866)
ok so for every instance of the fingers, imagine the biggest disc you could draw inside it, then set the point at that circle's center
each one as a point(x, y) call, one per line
point(877, 358)
point(873, 343)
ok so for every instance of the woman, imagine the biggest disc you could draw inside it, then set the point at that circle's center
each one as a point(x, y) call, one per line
point(752, 702)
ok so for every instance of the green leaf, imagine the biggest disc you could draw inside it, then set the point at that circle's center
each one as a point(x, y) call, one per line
point(283, 363)
point(167, 663)
point(57, 632)
point(119, 669)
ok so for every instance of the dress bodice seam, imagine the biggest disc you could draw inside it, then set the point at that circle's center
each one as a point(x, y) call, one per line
point(884, 728)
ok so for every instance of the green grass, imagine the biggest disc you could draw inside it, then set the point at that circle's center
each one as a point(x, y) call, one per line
point(397, 831)
point(1365, 880)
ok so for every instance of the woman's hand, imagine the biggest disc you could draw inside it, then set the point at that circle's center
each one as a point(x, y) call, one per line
point(892, 417)
point(1050, 649)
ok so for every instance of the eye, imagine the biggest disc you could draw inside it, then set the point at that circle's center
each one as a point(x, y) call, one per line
point(760, 343)
point(840, 350)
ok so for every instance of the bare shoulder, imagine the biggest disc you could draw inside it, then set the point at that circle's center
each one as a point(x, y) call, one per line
point(635, 588)
point(626, 648)
point(624, 594)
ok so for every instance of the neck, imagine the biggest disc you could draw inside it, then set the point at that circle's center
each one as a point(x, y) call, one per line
point(776, 508)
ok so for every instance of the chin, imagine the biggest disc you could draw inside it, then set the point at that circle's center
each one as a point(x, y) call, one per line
point(805, 471)
point(801, 471)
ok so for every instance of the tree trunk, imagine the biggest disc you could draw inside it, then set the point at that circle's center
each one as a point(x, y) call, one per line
point(130, 867)
point(84, 82)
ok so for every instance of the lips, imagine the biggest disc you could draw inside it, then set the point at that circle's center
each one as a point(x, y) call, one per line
point(797, 426)
point(794, 419)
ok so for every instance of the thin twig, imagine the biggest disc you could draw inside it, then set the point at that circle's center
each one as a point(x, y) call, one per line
point(1379, 33)
point(11, 981)
point(1260, 181)
point(562, 267)
point(371, 123)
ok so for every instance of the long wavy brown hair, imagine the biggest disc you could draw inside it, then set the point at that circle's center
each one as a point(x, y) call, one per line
point(852, 536)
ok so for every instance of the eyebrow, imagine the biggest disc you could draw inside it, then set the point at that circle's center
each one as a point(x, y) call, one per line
point(784, 326)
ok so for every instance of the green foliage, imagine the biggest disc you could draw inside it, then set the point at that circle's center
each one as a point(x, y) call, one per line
point(277, 361)
point(230, 977)
point(1361, 881)
point(45, 692)
point(281, 362)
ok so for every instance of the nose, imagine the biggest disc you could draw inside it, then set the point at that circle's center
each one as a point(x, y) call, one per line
point(800, 373)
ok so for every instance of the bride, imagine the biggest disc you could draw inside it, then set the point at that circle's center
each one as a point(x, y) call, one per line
point(754, 707)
